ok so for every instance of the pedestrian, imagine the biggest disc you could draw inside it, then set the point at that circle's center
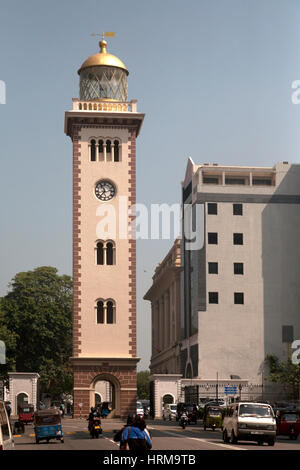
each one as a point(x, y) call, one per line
point(135, 437)
point(118, 435)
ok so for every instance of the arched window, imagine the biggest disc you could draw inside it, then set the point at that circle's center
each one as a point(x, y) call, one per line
point(109, 253)
point(116, 151)
point(108, 146)
point(100, 253)
point(100, 312)
point(110, 312)
point(100, 144)
point(106, 312)
point(93, 150)
point(105, 253)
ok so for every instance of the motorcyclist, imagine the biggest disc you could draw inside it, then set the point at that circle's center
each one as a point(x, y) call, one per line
point(93, 414)
point(183, 418)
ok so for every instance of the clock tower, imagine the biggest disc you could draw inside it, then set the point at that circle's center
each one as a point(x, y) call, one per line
point(103, 126)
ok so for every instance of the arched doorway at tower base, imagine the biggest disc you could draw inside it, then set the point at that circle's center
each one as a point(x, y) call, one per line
point(112, 397)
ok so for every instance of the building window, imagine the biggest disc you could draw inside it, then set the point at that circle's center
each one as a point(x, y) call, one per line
point(213, 297)
point(238, 297)
point(110, 312)
point(238, 239)
point(235, 180)
point(105, 253)
point(210, 180)
point(116, 151)
point(212, 208)
point(100, 311)
point(262, 181)
point(238, 268)
point(100, 146)
point(100, 253)
point(212, 268)
point(212, 238)
point(106, 312)
point(237, 209)
point(108, 146)
point(93, 150)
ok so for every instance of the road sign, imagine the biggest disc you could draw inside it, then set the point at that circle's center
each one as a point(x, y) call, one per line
point(230, 390)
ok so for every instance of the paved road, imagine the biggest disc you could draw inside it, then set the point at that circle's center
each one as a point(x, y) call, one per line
point(165, 436)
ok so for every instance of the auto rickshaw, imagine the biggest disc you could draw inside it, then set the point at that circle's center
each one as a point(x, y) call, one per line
point(288, 423)
point(213, 417)
point(47, 425)
point(26, 414)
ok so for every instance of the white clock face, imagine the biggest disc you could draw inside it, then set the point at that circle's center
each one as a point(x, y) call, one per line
point(105, 190)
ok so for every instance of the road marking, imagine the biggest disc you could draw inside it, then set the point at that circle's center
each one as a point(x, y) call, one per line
point(226, 446)
point(107, 438)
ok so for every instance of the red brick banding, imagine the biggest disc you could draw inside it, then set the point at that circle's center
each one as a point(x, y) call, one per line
point(132, 244)
point(76, 242)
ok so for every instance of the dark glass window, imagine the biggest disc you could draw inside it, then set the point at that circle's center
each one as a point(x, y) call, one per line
point(93, 150)
point(212, 238)
point(212, 208)
point(238, 297)
point(234, 181)
point(238, 239)
point(210, 180)
point(109, 253)
point(262, 181)
point(109, 312)
point(116, 151)
point(100, 312)
point(238, 268)
point(100, 143)
point(108, 146)
point(213, 268)
point(213, 297)
point(100, 253)
point(237, 209)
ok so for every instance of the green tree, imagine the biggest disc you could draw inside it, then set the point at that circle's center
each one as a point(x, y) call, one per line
point(143, 384)
point(284, 372)
point(36, 320)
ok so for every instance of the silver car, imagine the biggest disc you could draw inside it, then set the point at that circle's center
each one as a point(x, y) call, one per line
point(248, 421)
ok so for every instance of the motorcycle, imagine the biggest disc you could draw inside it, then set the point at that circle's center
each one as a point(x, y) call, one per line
point(95, 427)
point(183, 420)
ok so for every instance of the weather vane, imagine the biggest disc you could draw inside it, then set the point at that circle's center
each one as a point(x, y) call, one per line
point(108, 34)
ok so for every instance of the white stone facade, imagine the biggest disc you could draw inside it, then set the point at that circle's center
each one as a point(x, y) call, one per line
point(23, 384)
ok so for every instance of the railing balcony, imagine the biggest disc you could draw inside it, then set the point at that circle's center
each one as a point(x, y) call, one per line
point(105, 106)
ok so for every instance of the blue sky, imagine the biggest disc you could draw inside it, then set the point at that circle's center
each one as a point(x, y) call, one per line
point(213, 77)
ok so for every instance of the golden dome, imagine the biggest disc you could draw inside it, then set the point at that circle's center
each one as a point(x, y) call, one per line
point(103, 58)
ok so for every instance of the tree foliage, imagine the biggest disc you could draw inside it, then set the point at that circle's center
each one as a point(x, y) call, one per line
point(143, 384)
point(284, 372)
point(36, 325)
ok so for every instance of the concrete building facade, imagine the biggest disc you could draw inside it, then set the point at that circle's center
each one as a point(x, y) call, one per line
point(240, 286)
point(241, 289)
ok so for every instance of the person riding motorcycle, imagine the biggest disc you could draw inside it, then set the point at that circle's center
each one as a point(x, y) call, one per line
point(94, 414)
point(183, 421)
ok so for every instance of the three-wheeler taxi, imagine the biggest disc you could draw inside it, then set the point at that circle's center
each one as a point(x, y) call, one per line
point(213, 417)
point(26, 414)
point(47, 425)
point(288, 423)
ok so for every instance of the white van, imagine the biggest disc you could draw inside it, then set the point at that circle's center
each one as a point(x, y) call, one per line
point(248, 421)
point(6, 438)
